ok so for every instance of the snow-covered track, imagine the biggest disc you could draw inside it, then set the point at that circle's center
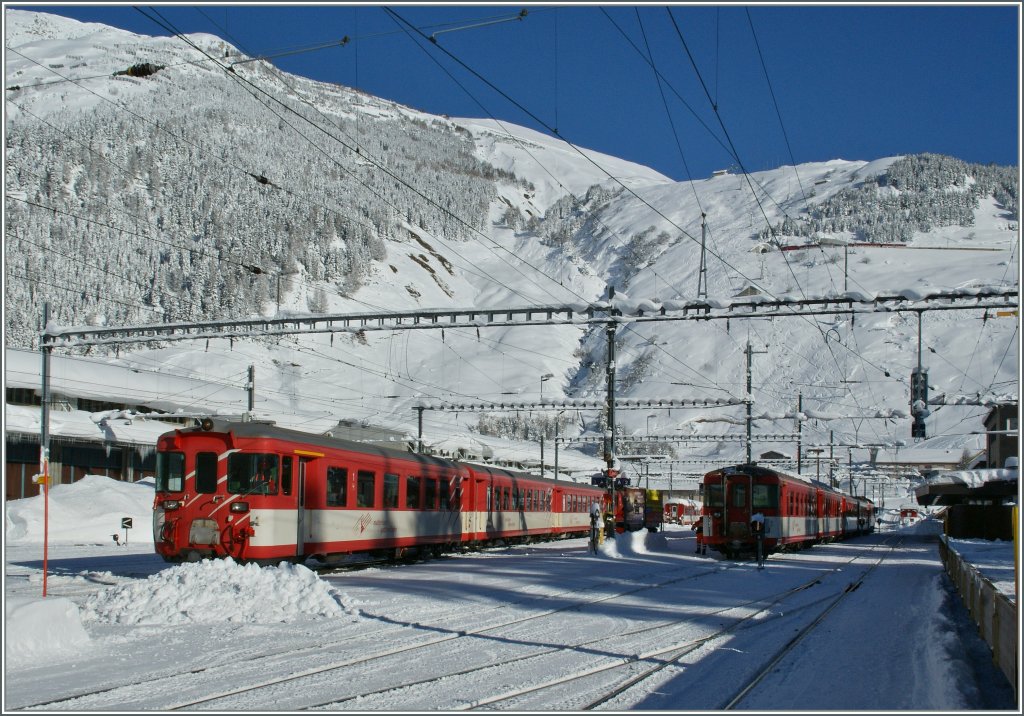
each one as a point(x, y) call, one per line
point(124, 695)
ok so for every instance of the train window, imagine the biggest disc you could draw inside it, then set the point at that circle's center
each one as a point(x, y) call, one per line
point(490, 505)
point(506, 500)
point(739, 495)
point(366, 488)
point(446, 497)
point(548, 501)
point(206, 472)
point(430, 494)
point(765, 496)
point(390, 491)
point(286, 475)
point(252, 473)
point(713, 496)
point(170, 471)
point(529, 500)
point(337, 484)
point(412, 493)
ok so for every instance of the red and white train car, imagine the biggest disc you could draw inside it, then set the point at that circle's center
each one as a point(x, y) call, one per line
point(681, 512)
point(256, 492)
point(797, 512)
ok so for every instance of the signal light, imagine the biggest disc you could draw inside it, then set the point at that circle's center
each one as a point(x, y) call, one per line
point(239, 506)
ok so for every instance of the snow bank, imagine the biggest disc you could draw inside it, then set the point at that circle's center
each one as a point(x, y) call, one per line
point(633, 543)
point(218, 591)
point(42, 630)
point(85, 512)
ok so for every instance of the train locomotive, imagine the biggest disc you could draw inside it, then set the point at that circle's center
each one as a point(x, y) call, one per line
point(259, 493)
point(797, 513)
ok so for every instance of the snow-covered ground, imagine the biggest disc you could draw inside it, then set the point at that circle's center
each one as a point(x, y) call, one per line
point(125, 631)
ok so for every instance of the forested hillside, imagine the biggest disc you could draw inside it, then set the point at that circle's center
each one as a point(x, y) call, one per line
point(184, 195)
point(916, 194)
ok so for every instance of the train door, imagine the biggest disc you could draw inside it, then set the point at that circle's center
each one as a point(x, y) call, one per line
point(737, 507)
point(302, 506)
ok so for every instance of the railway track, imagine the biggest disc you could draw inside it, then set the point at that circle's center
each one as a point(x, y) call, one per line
point(114, 694)
point(671, 641)
point(658, 659)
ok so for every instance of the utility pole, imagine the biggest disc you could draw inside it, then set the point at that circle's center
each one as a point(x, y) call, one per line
point(750, 397)
point(542, 454)
point(44, 443)
point(251, 388)
point(419, 429)
point(702, 274)
point(609, 446)
point(799, 432)
point(831, 459)
point(919, 391)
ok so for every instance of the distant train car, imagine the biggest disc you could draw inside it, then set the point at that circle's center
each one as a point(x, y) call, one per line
point(797, 513)
point(634, 507)
point(256, 492)
point(681, 512)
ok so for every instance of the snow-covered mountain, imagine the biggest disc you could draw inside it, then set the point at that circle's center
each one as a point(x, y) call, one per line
point(150, 181)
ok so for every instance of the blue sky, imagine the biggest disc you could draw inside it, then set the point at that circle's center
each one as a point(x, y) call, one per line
point(849, 82)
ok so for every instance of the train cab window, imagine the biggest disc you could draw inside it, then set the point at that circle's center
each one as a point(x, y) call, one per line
point(286, 475)
point(412, 493)
point(206, 472)
point(713, 496)
point(430, 494)
point(739, 495)
point(366, 488)
point(390, 491)
point(765, 497)
point(253, 473)
point(337, 484)
point(170, 471)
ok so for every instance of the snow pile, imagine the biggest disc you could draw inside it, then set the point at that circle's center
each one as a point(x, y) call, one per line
point(633, 543)
point(42, 630)
point(217, 591)
point(87, 511)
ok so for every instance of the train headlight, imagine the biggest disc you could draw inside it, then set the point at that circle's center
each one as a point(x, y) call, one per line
point(171, 505)
point(239, 506)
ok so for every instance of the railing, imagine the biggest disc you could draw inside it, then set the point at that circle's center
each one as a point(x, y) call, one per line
point(993, 612)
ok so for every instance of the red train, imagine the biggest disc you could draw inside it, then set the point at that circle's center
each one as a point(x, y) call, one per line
point(635, 507)
point(256, 492)
point(797, 513)
point(681, 512)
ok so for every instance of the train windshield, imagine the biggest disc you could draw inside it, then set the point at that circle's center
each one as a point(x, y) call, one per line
point(253, 473)
point(170, 471)
point(713, 495)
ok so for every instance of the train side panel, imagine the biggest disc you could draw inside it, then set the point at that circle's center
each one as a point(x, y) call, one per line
point(256, 492)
